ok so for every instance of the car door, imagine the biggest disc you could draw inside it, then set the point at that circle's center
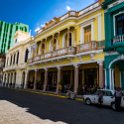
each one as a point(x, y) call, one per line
point(108, 98)
point(96, 96)
point(122, 101)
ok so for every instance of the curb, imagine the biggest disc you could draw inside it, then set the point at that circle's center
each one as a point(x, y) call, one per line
point(48, 94)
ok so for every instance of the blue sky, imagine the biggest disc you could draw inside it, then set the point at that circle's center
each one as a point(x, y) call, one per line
point(36, 12)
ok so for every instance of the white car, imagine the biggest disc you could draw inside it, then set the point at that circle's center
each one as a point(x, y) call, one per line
point(108, 98)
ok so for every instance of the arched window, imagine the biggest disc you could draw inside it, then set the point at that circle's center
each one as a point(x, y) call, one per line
point(66, 40)
point(54, 44)
point(17, 59)
point(11, 60)
point(26, 55)
point(70, 39)
point(43, 48)
point(14, 59)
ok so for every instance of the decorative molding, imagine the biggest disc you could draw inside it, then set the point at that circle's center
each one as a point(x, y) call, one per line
point(115, 3)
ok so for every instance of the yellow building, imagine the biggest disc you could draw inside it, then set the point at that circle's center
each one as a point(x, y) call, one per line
point(67, 53)
point(16, 61)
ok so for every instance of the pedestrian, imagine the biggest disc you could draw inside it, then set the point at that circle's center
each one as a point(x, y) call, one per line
point(100, 97)
point(118, 95)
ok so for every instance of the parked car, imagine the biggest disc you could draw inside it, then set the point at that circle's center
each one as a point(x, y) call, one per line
point(108, 98)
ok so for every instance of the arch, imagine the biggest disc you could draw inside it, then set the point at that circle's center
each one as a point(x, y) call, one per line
point(115, 60)
point(11, 77)
point(31, 79)
point(23, 80)
point(14, 80)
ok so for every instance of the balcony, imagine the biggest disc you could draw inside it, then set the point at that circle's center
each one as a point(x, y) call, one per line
point(90, 46)
point(64, 52)
point(118, 40)
point(118, 43)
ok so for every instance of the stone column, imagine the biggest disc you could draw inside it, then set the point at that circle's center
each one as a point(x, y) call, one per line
point(45, 79)
point(101, 75)
point(76, 78)
point(35, 79)
point(58, 79)
point(26, 79)
point(112, 79)
point(110, 76)
point(106, 78)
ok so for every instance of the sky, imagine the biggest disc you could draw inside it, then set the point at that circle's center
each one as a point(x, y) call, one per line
point(36, 13)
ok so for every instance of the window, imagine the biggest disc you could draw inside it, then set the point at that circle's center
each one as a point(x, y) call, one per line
point(54, 44)
point(11, 60)
point(14, 59)
point(16, 40)
point(68, 41)
point(17, 59)
point(108, 93)
point(87, 34)
point(43, 48)
point(26, 55)
point(119, 24)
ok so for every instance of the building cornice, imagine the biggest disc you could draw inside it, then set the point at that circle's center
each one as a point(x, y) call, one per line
point(74, 18)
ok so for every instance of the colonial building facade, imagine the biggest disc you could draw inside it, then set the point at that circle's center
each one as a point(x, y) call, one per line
point(16, 58)
point(114, 43)
point(66, 53)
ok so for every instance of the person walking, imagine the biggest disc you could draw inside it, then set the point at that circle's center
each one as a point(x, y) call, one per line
point(100, 98)
point(118, 95)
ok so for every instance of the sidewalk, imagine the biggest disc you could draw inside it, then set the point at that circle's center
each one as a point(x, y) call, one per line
point(13, 114)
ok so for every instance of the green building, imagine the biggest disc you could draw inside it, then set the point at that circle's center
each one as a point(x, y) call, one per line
point(114, 43)
point(7, 31)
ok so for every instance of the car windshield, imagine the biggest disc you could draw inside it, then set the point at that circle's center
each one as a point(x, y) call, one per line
point(108, 93)
point(98, 92)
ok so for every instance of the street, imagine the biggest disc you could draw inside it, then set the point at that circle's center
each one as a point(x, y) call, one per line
point(58, 109)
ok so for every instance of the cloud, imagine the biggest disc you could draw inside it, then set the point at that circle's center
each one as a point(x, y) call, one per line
point(68, 8)
point(37, 29)
point(42, 25)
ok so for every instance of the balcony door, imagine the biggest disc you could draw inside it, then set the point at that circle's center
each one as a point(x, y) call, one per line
point(87, 34)
point(119, 24)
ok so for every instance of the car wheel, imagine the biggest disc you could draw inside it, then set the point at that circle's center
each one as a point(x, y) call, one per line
point(88, 101)
point(113, 106)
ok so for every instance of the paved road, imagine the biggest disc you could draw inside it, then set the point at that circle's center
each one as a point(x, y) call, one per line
point(56, 109)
